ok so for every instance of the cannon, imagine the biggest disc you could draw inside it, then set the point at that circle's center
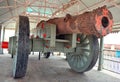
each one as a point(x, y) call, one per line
point(77, 36)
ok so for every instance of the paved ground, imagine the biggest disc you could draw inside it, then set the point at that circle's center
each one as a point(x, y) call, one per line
point(54, 69)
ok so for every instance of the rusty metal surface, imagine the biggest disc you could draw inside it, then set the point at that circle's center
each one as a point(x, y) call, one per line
point(97, 22)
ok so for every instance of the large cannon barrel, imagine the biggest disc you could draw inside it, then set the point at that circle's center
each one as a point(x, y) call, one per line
point(97, 22)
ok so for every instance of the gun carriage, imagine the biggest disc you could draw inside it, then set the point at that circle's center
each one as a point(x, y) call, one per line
point(77, 36)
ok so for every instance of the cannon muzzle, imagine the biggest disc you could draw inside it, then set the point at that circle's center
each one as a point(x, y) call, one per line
point(97, 22)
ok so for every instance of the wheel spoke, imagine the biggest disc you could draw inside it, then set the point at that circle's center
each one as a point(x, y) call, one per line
point(84, 39)
point(72, 58)
point(78, 63)
point(86, 55)
point(81, 63)
point(83, 45)
point(85, 59)
point(85, 50)
point(75, 61)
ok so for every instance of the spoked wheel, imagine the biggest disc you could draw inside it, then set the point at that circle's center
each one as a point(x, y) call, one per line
point(47, 54)
point(85, 55)
point(21, 57)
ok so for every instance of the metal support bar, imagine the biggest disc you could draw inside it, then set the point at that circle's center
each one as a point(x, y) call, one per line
point(100, 64)
point(66, 6)
point(9, 8)
point(1, 50)
point(0, 31)
point(3, 37)
point(52, 36)
point(74, 37)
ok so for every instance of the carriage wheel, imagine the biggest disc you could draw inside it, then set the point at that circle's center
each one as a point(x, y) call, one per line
point(85, 55)
point(21, 57)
